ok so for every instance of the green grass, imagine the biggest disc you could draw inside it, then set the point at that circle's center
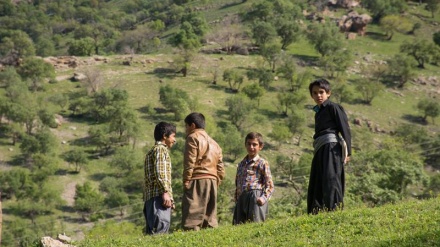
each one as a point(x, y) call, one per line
point(409, 223)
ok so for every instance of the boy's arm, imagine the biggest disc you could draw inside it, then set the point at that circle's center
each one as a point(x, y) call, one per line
point(342, 123)
point(220, 167)
point(268, 187)
point(161, 171)
point(189, 158)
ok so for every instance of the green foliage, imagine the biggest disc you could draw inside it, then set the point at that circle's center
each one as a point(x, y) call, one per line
point(436, 38)
point(239, 109)
point(16, 41)
point(290, 101)
point(326, 38)
point(78, 157)
point(400, 68)
point(263, 32)
point(231, 141)
point(234, 78)
point(36, 71)
point(369, 90)
point(43, 141)
point(271, 53)
point(395, 23)
point(175, 100)
point(87, 199)
point(381, 8)
point(254, 91)
point(280, 133)
point(432, 6)
point(82, 47)
point(429, 108)
point(421, 50)
point(126, 159)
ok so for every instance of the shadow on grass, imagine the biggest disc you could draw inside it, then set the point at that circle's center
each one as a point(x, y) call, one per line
point(376, 36)
point(162, 73)
point(98, 176)
point(232, 4)
point(414, 119)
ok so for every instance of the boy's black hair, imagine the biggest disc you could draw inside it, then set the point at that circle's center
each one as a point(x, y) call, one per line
point(197, 119)
point(254, 135)
point(163, 129)
point(321, 83)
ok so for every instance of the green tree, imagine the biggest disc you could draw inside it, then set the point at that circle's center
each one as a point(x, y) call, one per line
point(369, 89)
point(335, 63)
point(429, 108)
point(289, 100)
point(325, 38)
point(395, 23)
point(436, 38)
point(259, 11)
point(107, 103)
point(36, 70)
point(420, 50)
point(78, 157)
point(16, 41)
point(87, 199)
point(289, 32)
point(125, 123)
point(381, 8)
point(234, 78)
point(271, 54)
point(101, 137)
point(432, 6)
point(280, 133)
point(263, 32)
point(231, 141)
point(117, 198)
point(254, 91)
point(82, 47)
point(43, 141)
point(262, 75)
point(400, 68)
point(296, 123)
point(125, 160)
point(175, 100)
point(239, 109)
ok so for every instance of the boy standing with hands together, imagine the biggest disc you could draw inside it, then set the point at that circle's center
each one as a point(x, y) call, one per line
point(254, 185)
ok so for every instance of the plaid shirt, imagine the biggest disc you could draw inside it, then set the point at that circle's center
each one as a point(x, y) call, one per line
point(157, 170)
point(254, 175)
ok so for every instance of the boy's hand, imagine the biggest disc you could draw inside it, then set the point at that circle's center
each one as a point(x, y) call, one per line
point(167, 202)
point(261, 201)
point(186, 184)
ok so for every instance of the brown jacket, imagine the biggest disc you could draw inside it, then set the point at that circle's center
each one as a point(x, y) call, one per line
point(202, 157)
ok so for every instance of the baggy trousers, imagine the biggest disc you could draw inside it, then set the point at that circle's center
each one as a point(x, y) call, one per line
point(327, 180)
point(247, 208)
point(199, 204)
point(157, 217)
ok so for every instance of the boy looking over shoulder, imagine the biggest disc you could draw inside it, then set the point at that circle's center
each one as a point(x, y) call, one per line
point(158, 194)
point(254, 185)
point(332, 149)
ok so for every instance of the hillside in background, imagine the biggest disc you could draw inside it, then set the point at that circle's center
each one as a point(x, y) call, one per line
point(117, 68)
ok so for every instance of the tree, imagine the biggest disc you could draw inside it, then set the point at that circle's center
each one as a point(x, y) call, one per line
point(263, 32)
point(36, 70)
point(175, 100)
point(296, 123)
point(384, 175)
point(43, 141)
point(369, 89)
point(288, 100)
point(280, 133)
point(124, 122)
point(239, 109)
point(287, 70)
point(395, 23)
point(289, 32)
point(326, 38)
point(254, 91)
point(260, 11)
point(82, 47)
point(16, 41)
point(107, 102)
point(234, 78)
point(271, 54)
point(420, 50)
point(78, 157)
point(87, 199)
point(117, 198)
point(381, 8)
point(336, 62)
point(126, 160)
point(231, 141)
point(264, 76)
point(432, 6)
point(429, 108)
point(400, 68)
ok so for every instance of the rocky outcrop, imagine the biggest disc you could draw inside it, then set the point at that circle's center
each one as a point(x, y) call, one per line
point(62, 241)
point(344, 3)
point(353, 22)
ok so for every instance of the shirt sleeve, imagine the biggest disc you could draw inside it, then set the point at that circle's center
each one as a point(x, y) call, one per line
point(220, 166)
point(268, 187)
point(343, 126)
point(160, 171)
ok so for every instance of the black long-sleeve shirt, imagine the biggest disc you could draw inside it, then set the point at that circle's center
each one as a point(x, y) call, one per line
point(331, 118)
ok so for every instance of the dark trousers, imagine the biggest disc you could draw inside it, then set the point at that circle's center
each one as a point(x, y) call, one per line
point(199, 205)
point(247, 209)
point(327, 180)
point(157, 217)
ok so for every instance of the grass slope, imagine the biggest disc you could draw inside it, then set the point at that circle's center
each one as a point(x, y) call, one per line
point(410, 223)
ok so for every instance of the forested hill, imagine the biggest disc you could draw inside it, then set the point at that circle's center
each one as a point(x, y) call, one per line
point(83, 83)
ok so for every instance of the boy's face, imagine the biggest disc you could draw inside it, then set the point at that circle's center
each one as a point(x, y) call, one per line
point(170, 140)
point(253, 147)
point(319, 95)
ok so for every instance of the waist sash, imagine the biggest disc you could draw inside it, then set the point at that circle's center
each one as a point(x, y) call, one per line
point(328, 138)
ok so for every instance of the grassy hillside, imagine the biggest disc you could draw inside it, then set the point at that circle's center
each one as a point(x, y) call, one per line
point(402, 224)
point(409, 223)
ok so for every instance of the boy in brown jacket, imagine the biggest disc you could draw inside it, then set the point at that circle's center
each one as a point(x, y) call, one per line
point(203, 171)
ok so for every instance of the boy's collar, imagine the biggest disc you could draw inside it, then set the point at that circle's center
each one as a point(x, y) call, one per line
point(159, 143)
point(316, 108)
point(257, 157)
